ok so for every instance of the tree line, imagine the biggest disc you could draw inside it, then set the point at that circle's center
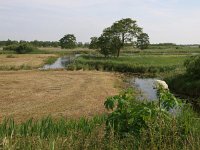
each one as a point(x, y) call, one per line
point(112, 40)
point(37, 43)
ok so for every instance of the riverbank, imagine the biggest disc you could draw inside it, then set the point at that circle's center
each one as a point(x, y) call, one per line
point(130, 64)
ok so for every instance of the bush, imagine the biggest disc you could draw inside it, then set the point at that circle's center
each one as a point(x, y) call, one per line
point(193, 66)
point(20, 49)
point(10, 47)
point(24, 48)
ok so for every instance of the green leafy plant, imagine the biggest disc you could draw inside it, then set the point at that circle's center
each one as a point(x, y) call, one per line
point(167, 100)
point(130, 116)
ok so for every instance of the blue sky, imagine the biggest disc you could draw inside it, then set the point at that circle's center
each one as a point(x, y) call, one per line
point(176, 21)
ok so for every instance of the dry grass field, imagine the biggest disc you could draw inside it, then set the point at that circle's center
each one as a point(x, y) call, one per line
point(15, 61)
point(26, 94)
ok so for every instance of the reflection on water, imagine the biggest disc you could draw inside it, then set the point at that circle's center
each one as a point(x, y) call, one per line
point(60, 63)
point(147, 88)
point(149, 92)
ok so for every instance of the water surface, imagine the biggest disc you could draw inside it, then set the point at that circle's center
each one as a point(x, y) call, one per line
point(147, 88)
point(60, 63)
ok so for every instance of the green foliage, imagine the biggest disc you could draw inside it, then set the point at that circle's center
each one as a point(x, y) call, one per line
point(109, 44)
point(37, 43)
point(143, 41)
point(23, 48)
point(185, 85)
point(47, 127)
point(167, 100)
point(68, 41)
point(125, 30)
point(134, 64)
point(10, 47)
point(136, 125)
point(130, 116)
point(193, 66)
point(50, 60)
point(94, 43)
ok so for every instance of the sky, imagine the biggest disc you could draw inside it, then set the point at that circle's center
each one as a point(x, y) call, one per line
point(166, 21)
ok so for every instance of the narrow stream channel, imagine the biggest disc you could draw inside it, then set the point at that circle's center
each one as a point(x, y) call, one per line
point(60, 63)
point(146, 87)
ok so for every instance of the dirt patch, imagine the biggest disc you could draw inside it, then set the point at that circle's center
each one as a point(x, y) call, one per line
point(27, 94)
point(14, 60)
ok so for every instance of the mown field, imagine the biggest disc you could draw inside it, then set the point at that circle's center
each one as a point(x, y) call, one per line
point(23, 61)
point(27, 94)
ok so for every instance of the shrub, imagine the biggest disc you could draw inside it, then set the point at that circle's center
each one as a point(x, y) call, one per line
point(193, 66)
point(71, 67)
point(20, 49)
point(10, 47)
point(24, 48)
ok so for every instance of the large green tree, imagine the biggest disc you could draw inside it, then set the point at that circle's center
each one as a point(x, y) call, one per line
point(143, 41)
point(93, 43)
point(68, 41)
point(126, 29)
point(109, 44)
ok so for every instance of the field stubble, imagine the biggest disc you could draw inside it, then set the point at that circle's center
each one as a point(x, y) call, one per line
point(22, 61)
point(36, 94)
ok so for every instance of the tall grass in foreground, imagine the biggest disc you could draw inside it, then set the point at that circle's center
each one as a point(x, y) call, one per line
point(139, 125)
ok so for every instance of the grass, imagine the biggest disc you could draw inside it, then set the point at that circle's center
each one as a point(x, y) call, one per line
point(188, 82)
point(181, 50)
point(131, 64)
point(60, 93)
point(185, 85)
point(179, 132)
point(24, 61)
point(50, 60)
point(60, 51)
